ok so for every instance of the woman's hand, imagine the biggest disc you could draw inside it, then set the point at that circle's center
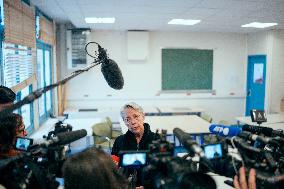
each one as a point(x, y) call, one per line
point(241, 181)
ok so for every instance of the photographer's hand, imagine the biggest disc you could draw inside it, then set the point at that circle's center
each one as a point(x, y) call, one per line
point(241, 181)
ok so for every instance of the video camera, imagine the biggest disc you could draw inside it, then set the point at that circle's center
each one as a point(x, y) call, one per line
point(41, 161)
point(160, 167)
point(263, 153)
point(59, 127)
point(255, 147)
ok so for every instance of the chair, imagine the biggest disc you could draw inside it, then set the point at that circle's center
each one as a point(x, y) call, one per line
point(104, 135)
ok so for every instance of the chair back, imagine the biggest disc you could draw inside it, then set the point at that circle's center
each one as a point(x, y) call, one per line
point(101, 131)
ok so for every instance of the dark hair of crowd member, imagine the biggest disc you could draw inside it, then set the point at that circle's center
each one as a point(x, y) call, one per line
point(92, 168)
point(8, 132)
point(6, 95)
point(197, 180)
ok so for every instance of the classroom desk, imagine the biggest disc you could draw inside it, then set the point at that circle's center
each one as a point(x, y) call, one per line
point(275, 121)
point(188, 123)
point(151, 110)
point(180, 111)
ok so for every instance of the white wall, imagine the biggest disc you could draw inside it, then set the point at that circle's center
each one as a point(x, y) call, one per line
point(143, 78)
point(270, 43)
point(277, 71)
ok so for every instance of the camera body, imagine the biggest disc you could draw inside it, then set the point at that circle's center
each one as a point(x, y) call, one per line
point(38, 165)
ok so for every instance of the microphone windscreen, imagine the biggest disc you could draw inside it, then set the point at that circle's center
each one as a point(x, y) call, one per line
point(68, 137)
point(112, 74)
point(225, 131)
point(181, 135)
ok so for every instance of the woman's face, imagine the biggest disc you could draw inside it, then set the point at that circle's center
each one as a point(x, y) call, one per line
point(134, 120)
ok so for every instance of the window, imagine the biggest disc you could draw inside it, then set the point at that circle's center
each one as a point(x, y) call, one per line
point(76, 41)
point(44, 79)
point(27, 110)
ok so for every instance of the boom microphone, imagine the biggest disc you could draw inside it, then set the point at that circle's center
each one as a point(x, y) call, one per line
point(112, 74)
point(225, 131)
point(109, 68)
point(110, 71)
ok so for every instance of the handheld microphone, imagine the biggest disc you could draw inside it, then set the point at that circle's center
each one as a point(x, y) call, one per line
point(225, 131)
point(230, 131)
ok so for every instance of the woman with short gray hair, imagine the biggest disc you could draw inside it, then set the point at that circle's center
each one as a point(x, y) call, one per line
point(138, 136)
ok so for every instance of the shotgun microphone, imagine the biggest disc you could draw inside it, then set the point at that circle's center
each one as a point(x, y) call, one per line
point(62, 138)
point(109, 68)
point(112, 74)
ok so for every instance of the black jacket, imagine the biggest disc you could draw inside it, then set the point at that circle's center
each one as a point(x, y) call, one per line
point(127, 142)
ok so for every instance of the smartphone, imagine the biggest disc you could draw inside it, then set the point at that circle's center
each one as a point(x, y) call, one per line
point(213, 151)
point(23, 143)
point(133, 159)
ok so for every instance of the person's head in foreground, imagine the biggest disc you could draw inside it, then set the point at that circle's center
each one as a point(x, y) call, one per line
point(92, 168)
point(11, 126)
point(7, 97)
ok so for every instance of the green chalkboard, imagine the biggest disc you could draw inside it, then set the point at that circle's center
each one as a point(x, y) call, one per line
point(187, 69)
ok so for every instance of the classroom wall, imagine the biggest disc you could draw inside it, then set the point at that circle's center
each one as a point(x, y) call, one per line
point(277, 71)
point(143, 78)
point(270, 43)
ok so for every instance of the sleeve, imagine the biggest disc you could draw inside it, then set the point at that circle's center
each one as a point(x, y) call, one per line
point(116, 146)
